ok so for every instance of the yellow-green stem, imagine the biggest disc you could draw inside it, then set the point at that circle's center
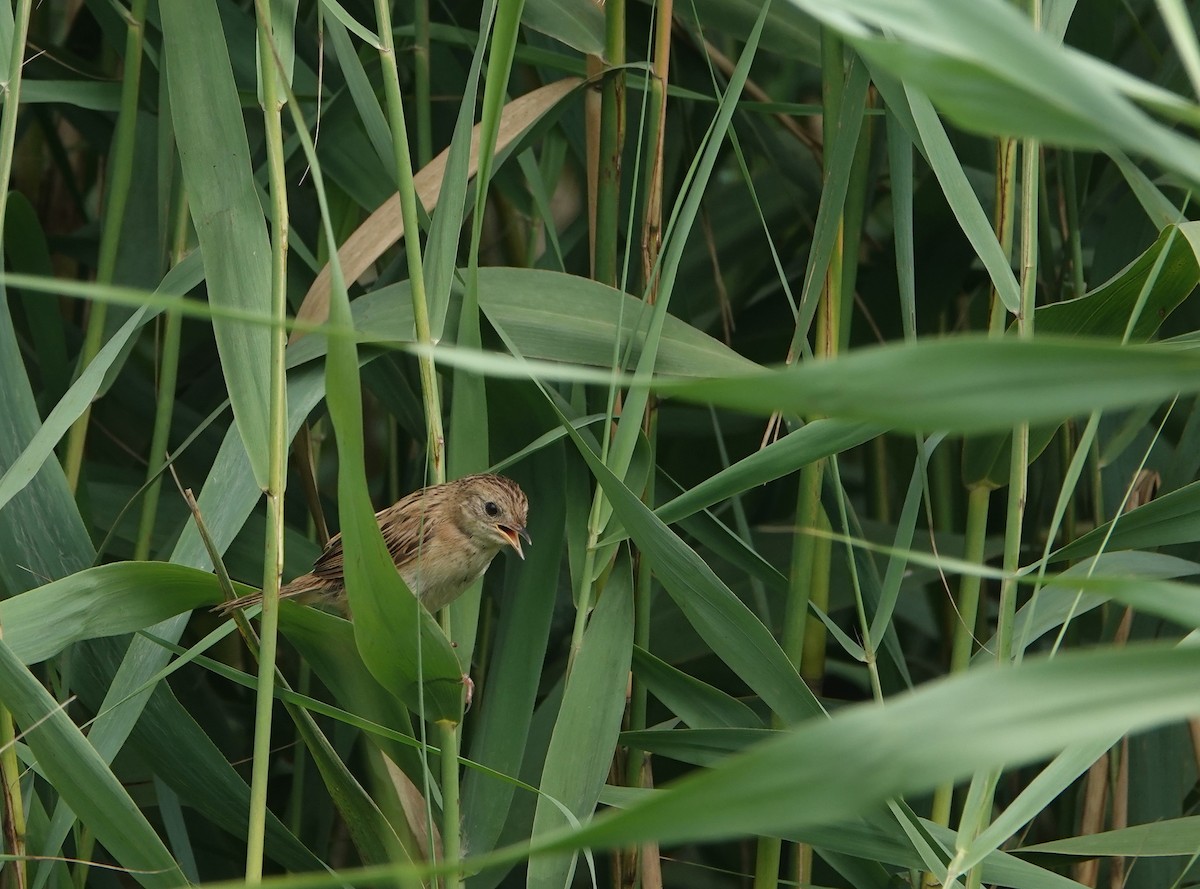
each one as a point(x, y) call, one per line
point(12, 102)
point(10, 768)
point(14, 806)
point(451, 817)
point(277, 432)
point(612, 134)
point(10, 772)
point(979, 499)
point(1074, 236)
point(651, 243)
point(801, 630)
point(1019, 469)
point(431, 397)
point(812, 663)
point(656, 137)
point(808, 511)
point(766, 863)
point(421, 47)
point(966, 616)
point(1018, 475)
point(121, 165)
point(412, 242)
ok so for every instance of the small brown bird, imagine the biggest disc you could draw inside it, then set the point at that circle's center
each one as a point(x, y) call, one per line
point(442, 538)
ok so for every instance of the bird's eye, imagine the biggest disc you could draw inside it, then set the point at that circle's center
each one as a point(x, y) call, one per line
point(491, 508)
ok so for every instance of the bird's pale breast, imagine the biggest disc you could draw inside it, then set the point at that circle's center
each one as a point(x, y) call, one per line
point(440, 574)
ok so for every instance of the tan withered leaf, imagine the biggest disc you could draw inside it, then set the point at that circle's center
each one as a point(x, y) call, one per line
point(385, 227)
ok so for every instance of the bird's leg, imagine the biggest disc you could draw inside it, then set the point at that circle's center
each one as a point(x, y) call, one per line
point(469, 685)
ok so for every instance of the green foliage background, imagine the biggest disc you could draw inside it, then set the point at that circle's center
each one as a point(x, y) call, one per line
point(855, 399)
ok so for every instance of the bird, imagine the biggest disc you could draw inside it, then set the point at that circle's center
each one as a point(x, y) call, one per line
point(442, 539)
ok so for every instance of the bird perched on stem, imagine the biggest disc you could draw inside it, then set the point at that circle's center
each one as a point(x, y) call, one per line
point(442, 538)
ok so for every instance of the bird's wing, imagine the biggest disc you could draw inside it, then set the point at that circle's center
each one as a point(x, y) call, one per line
point(330, 563)
point(407, 539)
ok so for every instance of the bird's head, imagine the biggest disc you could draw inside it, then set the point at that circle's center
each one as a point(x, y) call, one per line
point(496, 509)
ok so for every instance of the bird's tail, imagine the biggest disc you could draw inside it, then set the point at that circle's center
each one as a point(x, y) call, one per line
point(304, 586)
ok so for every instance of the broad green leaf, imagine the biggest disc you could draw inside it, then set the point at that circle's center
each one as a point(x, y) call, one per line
point(399, 640)
point(636, 401)
point(501, 721)
point(442, 246)
point(95, 96)
point(77, 399)
point(589, 722)
point(873, 839)
point(1177, 836)
point(326, 642)
point(1109, 575)
point(549, 315)
point(366, 102)
point(697, 703)
point(161, 733)
point(80, 395)
point(215, 157)
point(811, 442)
point(338, 12)
point(702, 746)
point(1103, 312)
point(27, 250)
point(789, 31)
point(1108, 309)
point(577, 23)
point(1171, 518)
point(568, 318)
point(828, 770)
point(913, 110)
point(468, 450)
point(960, 384)
point(82, 779)
point(105, 601)
point(988, 69)
point(828, 230)
point(41, 533)
point(733, 632)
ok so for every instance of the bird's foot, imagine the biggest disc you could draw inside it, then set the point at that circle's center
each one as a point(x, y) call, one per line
point(469, 685)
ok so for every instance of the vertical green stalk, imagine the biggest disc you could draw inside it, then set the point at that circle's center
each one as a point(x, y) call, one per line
point(12, 103)
point(447, 732)
point(10, 768)
point(272, 102)
point(421, 59)
point(979, 497)
point(808, 507)
point(605, 229)
point(167, 377)
point(965, 621)
point(651, 246)
point(612, 137)
point(808, 513)
point(804, 635)
point(1073, 234)
point(1019, 469)
point(12, 816)
point(983, 787)
point(121, 167)
point(656, 136)
point(412, 242)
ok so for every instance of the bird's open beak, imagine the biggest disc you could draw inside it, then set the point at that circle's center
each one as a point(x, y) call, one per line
point(514, 536)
